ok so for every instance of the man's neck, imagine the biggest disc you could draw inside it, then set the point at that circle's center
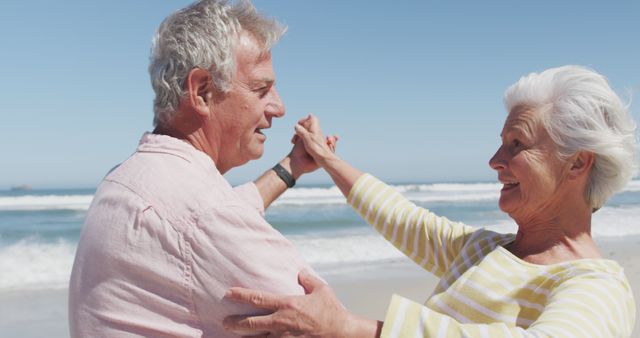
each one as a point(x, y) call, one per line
point(197, 138)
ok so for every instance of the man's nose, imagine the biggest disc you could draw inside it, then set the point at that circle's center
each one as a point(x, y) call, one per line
point(497, 160)
point(275, 106)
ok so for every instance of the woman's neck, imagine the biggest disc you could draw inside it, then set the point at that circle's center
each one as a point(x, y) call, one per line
point(558, 238)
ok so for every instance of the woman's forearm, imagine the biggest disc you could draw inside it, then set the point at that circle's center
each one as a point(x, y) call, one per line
point(343, 174)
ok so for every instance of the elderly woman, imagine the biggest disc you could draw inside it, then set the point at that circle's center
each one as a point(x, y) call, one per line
point(568, 144)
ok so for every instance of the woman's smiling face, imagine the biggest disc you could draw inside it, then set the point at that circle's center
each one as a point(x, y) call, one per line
point(528, 167)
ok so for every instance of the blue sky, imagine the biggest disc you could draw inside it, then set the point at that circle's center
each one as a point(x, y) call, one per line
point(413, 88)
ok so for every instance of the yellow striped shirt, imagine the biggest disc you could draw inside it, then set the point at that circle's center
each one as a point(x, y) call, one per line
point(484, 290)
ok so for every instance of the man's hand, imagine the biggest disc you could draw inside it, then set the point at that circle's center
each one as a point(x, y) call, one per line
point(317, 314)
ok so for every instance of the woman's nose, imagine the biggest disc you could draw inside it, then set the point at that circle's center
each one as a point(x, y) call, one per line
point(497, 160)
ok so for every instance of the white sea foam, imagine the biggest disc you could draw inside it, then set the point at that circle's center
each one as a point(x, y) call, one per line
point(361, 246)
point(31, 265)
point(304, 196)
point(46, 202)
point(437, 192)
point(365, 246)
point(449, 187)
point(632, 186)
point(440, 192)
point(616, 222)
point(607, 222)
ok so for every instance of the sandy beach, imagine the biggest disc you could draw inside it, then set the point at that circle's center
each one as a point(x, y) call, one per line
point(364, 291)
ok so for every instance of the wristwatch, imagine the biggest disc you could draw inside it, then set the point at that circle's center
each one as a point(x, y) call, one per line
point(284, 175)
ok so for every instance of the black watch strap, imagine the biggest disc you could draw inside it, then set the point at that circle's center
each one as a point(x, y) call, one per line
point(284, 175)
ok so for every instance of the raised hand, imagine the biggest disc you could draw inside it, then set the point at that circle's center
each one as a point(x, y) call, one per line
point(318, 146)
point(301, 160)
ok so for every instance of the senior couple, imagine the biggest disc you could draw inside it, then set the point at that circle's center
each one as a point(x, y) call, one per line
point(170, 249)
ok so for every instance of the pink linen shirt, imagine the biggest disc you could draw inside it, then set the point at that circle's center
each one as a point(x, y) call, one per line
point(166, 235)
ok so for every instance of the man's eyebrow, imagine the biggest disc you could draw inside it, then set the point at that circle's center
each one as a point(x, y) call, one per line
point(263, 81)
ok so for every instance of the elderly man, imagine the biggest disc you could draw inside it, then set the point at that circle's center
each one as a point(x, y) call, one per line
point(166, 235)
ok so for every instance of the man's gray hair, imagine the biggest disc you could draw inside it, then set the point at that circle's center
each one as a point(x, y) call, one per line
point(202, 35)
point(582, 113)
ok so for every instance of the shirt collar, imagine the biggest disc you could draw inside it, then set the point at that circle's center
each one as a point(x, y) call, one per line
point(156, 143)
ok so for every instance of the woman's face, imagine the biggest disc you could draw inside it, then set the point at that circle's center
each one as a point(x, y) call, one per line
point(528, 167)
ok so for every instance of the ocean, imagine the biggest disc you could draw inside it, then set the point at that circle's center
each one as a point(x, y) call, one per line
point(39, 229)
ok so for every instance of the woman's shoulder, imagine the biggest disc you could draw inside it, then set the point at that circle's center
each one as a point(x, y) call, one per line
point(592, 267)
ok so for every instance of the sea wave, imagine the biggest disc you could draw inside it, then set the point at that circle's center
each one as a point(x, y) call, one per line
point(608, 222)
point(361, 246)
point(437, 192)
point(47, 202)
point(449, 187)
point(30, 265)
point(34, 264)
point(632, 186)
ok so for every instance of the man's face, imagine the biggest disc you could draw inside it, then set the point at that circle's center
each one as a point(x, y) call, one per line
point(248, 107)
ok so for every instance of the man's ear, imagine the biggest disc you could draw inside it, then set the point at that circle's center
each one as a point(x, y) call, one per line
point(582, 163)
point(199, 91)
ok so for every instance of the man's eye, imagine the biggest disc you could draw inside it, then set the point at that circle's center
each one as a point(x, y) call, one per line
point(262, 92)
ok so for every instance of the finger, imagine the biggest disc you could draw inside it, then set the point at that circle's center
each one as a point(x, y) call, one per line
point(313, 124)
point(302, 120)
point(256, 298)
point(250, 326)
point(306, 123)
point(302, 133)
point(294, 139)
point(331, 142)
point(309, 282)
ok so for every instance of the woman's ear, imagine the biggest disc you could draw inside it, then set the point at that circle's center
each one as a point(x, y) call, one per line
point(582, 162)
point(199, 89)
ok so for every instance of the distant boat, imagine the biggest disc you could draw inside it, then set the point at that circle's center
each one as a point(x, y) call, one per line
point(21, 187)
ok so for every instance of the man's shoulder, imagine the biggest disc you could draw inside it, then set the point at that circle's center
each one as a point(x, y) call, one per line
point(145, 171)
point(170, 181)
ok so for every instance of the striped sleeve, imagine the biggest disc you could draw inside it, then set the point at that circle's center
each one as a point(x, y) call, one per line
point(431, 241)
point(592, 306)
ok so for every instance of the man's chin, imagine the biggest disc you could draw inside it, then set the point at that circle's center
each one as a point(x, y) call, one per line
point(255, 155)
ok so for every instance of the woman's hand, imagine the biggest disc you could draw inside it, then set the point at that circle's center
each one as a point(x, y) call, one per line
point(323, 152)
point(317, 314)
point(318, 146)
point(302, 161)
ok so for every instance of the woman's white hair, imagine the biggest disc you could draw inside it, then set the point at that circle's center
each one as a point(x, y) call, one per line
point(202, 35)
point(582, 113)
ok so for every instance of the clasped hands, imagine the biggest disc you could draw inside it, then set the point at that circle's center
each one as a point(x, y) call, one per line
point(310, 147)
